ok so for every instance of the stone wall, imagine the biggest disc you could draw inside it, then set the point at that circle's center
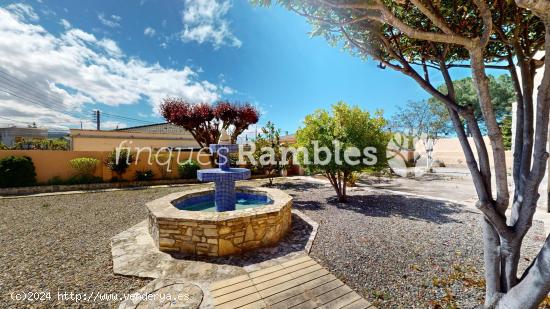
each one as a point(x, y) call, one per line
point(230, 233)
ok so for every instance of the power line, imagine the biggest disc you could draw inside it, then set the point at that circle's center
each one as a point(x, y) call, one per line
point(12, 85)
point(127, 118)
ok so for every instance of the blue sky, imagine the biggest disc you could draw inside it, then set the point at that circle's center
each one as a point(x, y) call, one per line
point(123, 57)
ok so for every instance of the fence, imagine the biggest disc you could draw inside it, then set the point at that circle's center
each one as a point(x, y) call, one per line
point(55, 163)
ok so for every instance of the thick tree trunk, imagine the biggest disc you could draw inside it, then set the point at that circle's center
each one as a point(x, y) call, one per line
point(534, 285)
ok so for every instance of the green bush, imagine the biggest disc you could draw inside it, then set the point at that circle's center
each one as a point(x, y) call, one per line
point(119, 167)
point(3, 147)
point(188, 169)
point(17, 172)
point(42, 144)
point(84, 166)
point(144, 175)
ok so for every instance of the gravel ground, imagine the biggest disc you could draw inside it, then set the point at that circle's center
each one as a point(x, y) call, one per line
point(61, 243)
point(401, 252)
point(397, 252)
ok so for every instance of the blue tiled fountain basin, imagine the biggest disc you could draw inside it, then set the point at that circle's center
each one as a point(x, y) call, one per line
point(206, 202)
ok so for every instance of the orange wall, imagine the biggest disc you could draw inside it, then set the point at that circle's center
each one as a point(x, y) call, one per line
point(55, 163)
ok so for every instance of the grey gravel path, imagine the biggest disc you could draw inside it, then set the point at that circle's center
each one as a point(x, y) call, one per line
point(398, 251)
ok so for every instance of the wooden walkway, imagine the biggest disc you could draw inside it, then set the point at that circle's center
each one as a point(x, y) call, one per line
point(299, 283)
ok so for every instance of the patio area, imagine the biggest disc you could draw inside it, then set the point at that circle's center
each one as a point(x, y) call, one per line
point(392, 250)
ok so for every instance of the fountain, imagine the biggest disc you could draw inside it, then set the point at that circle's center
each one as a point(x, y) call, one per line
point(224, 177)
point(221, 221)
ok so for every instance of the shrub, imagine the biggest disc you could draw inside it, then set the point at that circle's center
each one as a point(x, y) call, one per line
point(84, 166)
point(3, 147)
point(188, 169)
point(144, 175)
point(17, 172)
point(55, 181)
point(42, 144)
point(119, 167)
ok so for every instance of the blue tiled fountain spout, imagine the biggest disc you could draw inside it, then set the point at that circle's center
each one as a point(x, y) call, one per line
point(224, 177)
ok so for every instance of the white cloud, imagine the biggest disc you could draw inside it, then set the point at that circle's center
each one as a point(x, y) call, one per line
point(112, 21)
point(74, 68)
point(150, 32)
point(204, 21)
point(228, 90)
point(23, 11)
point(65, 23)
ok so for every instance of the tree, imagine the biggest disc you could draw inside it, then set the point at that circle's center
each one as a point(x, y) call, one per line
point(268, 154)
point(502, 92)
point(205, 121)
point(421, 38)
point(339, 132)
point(421, 121)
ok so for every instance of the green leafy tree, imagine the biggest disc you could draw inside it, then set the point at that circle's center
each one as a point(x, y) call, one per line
point(339, 130)
point(502, 92)
point(268, 154)
point(421, 39)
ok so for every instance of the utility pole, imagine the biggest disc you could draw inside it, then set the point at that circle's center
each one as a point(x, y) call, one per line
point(97, 119)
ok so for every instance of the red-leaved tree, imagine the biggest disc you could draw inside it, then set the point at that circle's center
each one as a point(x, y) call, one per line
point(205, 121)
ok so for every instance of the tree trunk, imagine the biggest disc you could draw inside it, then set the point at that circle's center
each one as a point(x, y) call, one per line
point(534, 285)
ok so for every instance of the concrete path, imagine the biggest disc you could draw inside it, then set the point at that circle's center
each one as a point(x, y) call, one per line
point(299, 283)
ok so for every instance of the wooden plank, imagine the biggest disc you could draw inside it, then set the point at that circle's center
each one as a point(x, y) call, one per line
point(294, 300)
point(293, 283)
point(312, 294)
point(333, 294)
point(298, 283)
point(265, 271)
point(232, 288)
point(276, 281)
point(359, 304)
point(341, 301)
point(224, 283)
point(235, 295)
point(306, 305)
point(255, 305)
point(304, 271)
point(300, 266)
point(282, 296)
point(240, 302)
point(296, 261)
point(270, 276)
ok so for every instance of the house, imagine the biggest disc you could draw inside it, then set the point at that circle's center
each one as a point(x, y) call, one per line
point(11, 135)
point(155, 136)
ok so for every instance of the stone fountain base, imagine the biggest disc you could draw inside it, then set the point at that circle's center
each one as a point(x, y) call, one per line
point(218, 233)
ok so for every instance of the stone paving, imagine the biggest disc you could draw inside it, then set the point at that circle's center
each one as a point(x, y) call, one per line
point(135, 254)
